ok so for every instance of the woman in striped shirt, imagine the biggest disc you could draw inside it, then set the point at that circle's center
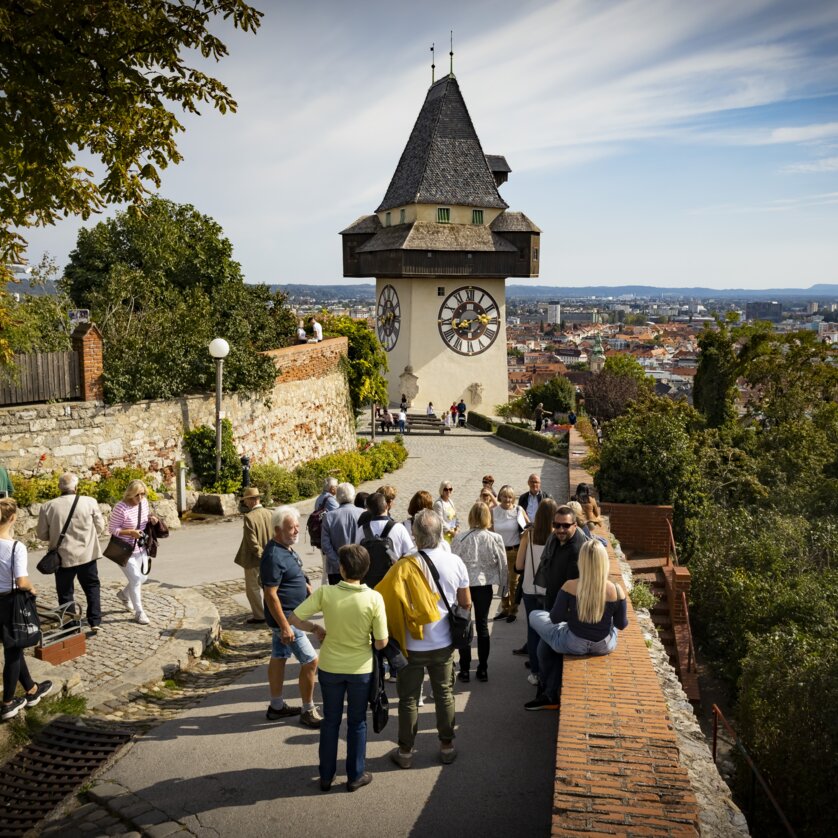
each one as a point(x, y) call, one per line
point(128, 521)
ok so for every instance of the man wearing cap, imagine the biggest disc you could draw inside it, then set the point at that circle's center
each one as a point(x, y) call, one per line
point(257, 533)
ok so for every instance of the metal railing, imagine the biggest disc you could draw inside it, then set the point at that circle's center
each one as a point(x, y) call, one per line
point(673, 549)
point(755, 773)
point(690, 645)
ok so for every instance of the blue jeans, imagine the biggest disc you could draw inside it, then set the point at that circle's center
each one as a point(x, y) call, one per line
point(333, 688)
point(556, 640)
point(531, 603)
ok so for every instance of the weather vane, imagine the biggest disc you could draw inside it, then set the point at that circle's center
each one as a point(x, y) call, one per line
point(451, 54)
point(433, 66)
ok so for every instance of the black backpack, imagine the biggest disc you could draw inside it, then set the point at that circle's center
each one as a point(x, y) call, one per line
point(380, 548)
point(314, 525)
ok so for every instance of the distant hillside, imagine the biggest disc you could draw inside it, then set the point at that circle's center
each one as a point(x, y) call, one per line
point(324, 293)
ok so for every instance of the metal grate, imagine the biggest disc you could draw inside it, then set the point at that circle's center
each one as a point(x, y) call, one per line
point(40, 776)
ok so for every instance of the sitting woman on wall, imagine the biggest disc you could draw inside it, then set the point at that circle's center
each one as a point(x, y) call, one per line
point(583, 621)
point(590, 508)
point(128, 521)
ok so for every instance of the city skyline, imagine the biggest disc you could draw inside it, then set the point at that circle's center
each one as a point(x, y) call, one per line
point(654, 142)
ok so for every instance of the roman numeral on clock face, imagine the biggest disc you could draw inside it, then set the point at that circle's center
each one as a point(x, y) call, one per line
point(468, 320)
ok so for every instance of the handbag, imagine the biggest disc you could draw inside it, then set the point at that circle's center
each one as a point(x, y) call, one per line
point(24, 630)
point(379, 703)
point(119, 550)
point(51, 560)
point(462, 625)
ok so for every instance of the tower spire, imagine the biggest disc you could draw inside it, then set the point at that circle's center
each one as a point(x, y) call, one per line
point(451, 55)
point(433, 65)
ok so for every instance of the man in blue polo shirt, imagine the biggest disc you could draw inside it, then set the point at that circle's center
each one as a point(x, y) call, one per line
point(284, 587)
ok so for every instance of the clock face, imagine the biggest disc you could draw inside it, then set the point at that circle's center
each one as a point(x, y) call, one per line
point(388, 317)
point(469, 320)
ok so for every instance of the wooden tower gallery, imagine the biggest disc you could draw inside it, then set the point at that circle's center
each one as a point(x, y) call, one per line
point(440, 246)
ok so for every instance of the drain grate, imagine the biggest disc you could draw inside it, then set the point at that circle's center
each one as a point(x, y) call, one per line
point(64, 754)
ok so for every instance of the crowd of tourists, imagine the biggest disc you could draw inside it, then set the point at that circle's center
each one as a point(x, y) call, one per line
point(399, 599)
point(399, 596)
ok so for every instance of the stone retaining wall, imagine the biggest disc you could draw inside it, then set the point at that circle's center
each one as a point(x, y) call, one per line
point(308, 414)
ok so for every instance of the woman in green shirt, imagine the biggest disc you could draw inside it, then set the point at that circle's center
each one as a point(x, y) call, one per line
point(352, 612)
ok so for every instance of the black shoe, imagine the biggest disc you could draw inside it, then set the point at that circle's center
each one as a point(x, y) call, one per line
point(502, 616)
point(325, 785)
point(44, 688)
point(364, 780)
point(522, 651)
point(482, 674)
point(542, 702)
point(511, 618)
point(527, 664)
point(464, 677)
point(254, 620)
point(286, 711)
point(12, 708)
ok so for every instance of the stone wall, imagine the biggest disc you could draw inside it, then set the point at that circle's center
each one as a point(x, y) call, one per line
point(307, 415)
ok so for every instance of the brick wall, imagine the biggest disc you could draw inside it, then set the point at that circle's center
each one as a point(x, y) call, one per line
point(308, 360)
point(640, 527)
point(618, 770)
point(87, 341)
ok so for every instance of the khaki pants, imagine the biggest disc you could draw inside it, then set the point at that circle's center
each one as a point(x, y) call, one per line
point(440, 666)
point(508, 604)
point(254, 592)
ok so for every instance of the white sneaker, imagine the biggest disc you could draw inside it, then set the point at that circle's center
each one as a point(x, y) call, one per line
point(421, 699)
point(123, 598)
point(142, 619)
point(532, 679)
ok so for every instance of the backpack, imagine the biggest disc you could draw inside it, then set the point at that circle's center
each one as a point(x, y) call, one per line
point(314, 525)
point(380, 548)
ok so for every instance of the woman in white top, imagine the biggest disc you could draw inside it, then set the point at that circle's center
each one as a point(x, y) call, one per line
point(430, 410)
point(14, 574)
point(484, 556)
point(526, 563)
point(509, 520)
point(444, 507)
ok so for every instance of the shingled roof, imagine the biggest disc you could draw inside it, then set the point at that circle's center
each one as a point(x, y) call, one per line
point(425, 235)
point(513, 222)
point(443, 161)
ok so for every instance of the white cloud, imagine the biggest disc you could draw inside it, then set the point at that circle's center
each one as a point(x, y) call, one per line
point(825, 164)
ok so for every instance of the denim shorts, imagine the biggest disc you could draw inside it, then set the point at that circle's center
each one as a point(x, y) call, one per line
point(301, 646)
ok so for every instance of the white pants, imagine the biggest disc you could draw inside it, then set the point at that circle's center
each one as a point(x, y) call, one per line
point(134, 574)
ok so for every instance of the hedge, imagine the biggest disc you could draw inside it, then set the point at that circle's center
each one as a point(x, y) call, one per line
point(109, 489)
point(481, 422)
point(552, 446)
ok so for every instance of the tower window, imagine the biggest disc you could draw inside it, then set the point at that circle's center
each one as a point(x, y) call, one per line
point(443, 215)
point(401, 216)
point(387, 219)
point(440, 292)
point(477, 216)
point(535, 254)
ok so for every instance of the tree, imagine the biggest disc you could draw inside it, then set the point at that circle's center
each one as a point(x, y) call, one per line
point(608, 396)
point(715, 380)
point(557, 395)
point(367, 361)
point(627, 366)
point(97, 79)
point(160, 287)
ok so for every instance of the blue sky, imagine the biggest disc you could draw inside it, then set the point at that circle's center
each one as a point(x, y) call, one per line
point(664, 142)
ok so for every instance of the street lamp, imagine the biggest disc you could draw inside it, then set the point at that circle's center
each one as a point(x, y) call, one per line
point(219, 349)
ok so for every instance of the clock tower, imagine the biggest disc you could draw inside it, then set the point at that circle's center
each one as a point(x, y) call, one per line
point(441, 245)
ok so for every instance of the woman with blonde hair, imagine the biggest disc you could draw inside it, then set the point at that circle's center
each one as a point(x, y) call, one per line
point(484, 556)
point(128, 522)
point(509, 520)
point(583, 621)
point(581, 520)
point(444, 507)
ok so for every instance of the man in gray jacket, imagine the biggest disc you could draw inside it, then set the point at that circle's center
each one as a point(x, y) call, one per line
point(79, 550)
point(340, 526)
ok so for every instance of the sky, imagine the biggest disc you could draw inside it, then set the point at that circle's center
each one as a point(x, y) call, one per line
point(662, 142)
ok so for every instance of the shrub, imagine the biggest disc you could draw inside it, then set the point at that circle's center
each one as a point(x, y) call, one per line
point(641, 595)
point(44, 487)
point(552, 446)
point(200, 444)
point(481, 422)
point(277, 484)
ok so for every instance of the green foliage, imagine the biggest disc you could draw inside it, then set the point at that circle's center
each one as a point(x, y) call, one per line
point(648, 456)
point(161, 286)
point(108, 489)
point(367, 360)
point(516, 409)
point(277, 484)
point(786, 715)
point(481, 422)
point(641, 595)
point(627, 366)
point(200, 443)
point(557, 395)
point(552, 445)
point(715, 379)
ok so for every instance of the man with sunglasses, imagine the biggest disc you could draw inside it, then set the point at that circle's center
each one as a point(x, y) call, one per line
point(559, 562)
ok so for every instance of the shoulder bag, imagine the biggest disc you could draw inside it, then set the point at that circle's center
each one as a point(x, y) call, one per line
point(52, 558)
point(24, 630)
point(119, 550)
point(539, 590)
point(462, 625)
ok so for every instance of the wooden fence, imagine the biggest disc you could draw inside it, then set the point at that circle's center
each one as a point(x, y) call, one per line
point(43, 377)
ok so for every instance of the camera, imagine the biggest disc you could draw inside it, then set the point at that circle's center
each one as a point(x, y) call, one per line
point(142, 540)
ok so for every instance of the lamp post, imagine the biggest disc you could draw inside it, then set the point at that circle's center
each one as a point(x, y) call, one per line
point(219, 349)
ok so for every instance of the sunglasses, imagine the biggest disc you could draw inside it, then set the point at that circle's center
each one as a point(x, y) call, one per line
point(447, 489)
point(488, 482)
point(559, 526)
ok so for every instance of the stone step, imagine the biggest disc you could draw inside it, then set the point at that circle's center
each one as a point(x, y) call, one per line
point(647, 563)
